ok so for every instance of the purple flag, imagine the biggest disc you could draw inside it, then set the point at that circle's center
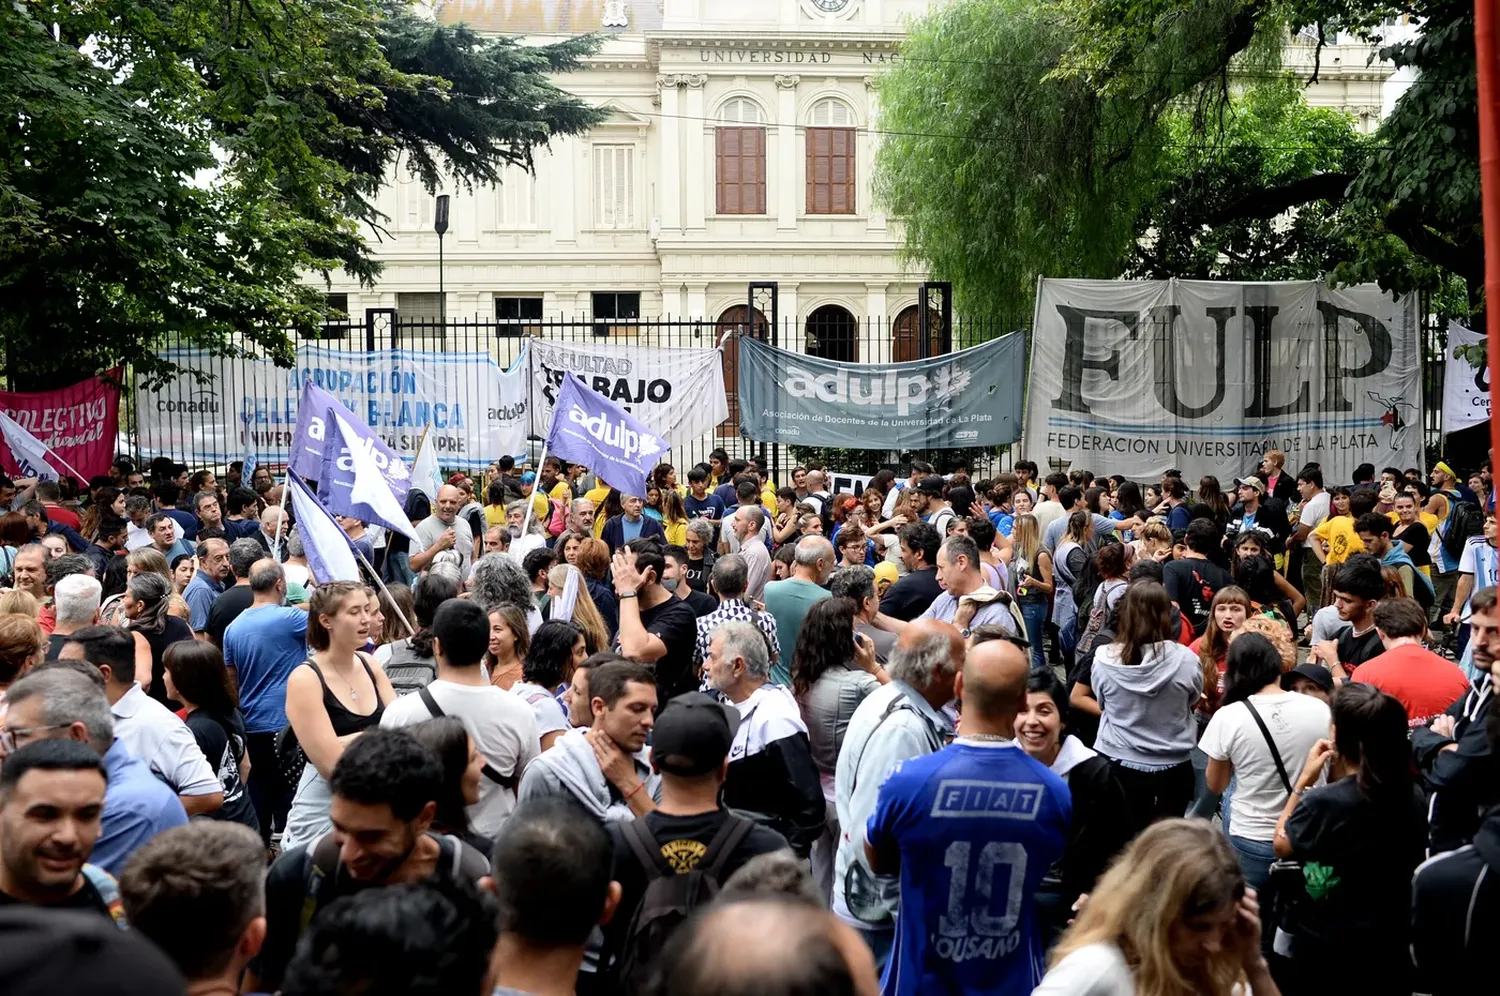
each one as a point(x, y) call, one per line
point(316, 433)
point(589, 429)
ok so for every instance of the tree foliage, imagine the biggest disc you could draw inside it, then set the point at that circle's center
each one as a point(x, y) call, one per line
point(1101, 138)
point(186, 165)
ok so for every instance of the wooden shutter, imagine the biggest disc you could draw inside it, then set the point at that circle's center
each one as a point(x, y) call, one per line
point(830, 171)
point(740, 171)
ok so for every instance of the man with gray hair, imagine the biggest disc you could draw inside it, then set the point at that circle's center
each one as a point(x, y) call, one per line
point(898, 721)
point(790, 599)
point(771, 773)
point(59, 704)
point(746, 527)
point(243, 553)
point(858, 583)
point(966, 600)
point(75, 599)
point(261, 649)
point(728, 579)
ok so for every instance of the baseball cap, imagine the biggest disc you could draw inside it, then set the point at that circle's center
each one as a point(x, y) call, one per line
point(45, 952)
point(692, 735)
point(931, 485)
point(1315, 673)
point(887, 571)
point(1253, 482)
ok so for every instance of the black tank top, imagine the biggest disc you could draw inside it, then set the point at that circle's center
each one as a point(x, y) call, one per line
point(346, 722)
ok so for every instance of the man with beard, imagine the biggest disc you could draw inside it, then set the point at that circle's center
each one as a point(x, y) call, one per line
point(51, 808)
point(385, 789)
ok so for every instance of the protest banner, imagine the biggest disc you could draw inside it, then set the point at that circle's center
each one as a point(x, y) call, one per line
point(472, 411)
point(1466, 388)
point(678, 392)
point(78, 423)
point(589, 429)
point(1136, 377)
point(969, 398)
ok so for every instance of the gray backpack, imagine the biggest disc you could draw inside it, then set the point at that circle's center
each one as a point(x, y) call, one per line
point(408, 670)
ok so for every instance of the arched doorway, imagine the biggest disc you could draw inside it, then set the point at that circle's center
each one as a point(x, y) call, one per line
point(833, 334)
point(734, 320)
point(906, 337)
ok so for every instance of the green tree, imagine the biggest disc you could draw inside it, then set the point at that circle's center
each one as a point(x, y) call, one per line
point(185, 165)
point(1097, 138)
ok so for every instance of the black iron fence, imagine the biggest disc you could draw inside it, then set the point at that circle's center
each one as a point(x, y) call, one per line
point(832, 335)
point(198, 426)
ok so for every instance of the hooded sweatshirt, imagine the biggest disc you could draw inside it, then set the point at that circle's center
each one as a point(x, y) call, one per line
point(1148, 708)
point(1455, 913)
point(570, 767)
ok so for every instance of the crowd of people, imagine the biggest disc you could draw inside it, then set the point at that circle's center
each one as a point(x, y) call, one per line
point(946, 735)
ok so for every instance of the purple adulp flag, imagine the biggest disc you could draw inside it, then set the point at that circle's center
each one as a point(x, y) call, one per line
point(589, 429)
point(316, 433)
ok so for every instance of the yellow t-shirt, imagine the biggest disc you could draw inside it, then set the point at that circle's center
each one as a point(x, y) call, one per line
point(494, 515)
point(676, 532)
point(768, 499)
point(1337, 533)
point(597, 496)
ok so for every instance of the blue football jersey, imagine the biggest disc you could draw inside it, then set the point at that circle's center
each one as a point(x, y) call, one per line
point(977, 825)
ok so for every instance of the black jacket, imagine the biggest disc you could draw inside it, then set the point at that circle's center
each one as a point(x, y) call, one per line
point(772, 778)
point(1100, 828)
point(1270, 521)
point(1456, 914)
point(1461, 782)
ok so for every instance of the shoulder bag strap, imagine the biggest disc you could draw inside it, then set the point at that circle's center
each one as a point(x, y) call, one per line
point(1271, 743)
point(734, 830)
point(647, 850)
point(430, 702)
point(510, 782)
point(322, 863)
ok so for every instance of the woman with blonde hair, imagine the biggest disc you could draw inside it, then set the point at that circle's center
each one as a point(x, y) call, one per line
point(23, 646)
point(510, 639)
point(1274, 630)
point(674, 517)
point(1031, 572)
point(569, 600)
point(1171, 917)
point(19, 603)
point(331, 698)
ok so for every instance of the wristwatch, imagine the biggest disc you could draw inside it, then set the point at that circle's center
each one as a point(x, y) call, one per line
point(626, 594)
point(964, 632)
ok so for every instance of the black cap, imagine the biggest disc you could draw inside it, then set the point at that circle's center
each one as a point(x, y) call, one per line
point(48, 952)
point(692, 735)
point(1315, 673)
point(931, 485)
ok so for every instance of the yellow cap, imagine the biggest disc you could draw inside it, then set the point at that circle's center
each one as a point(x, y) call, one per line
point(886, 571)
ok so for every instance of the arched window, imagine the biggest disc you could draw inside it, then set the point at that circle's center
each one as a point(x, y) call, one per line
point(733, 320)
point(833, 334)
point(740, 151)
point(830, 159)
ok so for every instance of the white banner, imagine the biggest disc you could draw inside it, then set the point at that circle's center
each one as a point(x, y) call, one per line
point(1136, 377)
point(679, 393)
point(1466, 389)
point(476, 412)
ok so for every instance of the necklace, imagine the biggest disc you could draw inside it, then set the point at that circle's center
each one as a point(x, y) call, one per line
point(353, 692)
point(991, 738)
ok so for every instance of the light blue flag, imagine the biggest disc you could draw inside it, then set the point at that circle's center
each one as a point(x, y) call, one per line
point(589, 429)
point(367, 496)
point(326, 545)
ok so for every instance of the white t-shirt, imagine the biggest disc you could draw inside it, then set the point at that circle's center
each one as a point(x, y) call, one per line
point(1314, 511)
point(153, 734)
point(1095, 970)
point(1295, 722)
point(502, 727)
point(544, 707)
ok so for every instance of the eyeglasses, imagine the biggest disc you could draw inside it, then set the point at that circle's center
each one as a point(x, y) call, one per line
point(12, 740)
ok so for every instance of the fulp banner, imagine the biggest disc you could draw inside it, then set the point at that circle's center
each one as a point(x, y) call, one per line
point(1136, 377)
point(969, 398)
point(1466, 389)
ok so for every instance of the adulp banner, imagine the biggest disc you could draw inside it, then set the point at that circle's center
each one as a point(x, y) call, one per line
point(968, 398)
point(1136, 377)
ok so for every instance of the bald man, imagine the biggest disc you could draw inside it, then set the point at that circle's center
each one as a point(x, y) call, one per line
point(767, 947)
point(897, 722)
point(971, 829)
point(443, 530)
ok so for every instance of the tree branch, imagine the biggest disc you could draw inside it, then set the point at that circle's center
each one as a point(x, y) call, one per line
point(1273, 201)
point(1465, 261)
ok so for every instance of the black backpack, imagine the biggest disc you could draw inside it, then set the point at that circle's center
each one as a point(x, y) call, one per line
point(671, 896)
point(1465, 521)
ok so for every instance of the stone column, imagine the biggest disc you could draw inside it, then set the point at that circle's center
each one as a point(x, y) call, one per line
point(695, 171)
point(875, 212)
point(789, 185)
point(671, 156)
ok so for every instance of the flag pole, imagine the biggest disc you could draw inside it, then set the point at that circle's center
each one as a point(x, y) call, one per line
point(286, 485)
point(531, 501)
point(410, 629)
